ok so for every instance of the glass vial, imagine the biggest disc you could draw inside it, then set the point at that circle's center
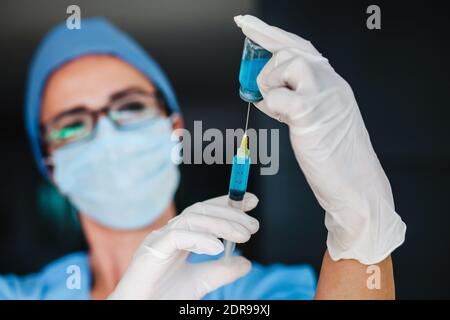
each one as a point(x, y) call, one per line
point(254, 58)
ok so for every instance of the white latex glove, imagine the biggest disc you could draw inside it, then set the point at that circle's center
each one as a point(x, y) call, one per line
point(159, 269)
point(330, 142)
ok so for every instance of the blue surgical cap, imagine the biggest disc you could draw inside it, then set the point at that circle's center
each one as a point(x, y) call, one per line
point(60, 45)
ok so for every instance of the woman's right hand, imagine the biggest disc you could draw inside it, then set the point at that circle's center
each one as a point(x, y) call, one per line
point(159, 269)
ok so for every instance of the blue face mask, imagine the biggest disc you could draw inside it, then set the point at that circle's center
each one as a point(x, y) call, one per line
point(123, 179)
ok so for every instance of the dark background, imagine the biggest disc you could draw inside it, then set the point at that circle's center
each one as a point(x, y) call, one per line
point(399, 75)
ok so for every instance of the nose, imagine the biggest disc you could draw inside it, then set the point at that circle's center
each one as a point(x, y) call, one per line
point(104, 126)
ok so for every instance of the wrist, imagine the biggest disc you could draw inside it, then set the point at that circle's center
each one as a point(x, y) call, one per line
point(371, 240)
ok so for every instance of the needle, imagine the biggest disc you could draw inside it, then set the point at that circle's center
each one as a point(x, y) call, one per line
point(246, 121)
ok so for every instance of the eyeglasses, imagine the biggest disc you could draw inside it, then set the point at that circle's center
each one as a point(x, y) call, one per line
point(79, 123)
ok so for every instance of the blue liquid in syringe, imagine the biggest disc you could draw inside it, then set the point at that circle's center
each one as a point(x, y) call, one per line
point(239, 177)
point(249, 71)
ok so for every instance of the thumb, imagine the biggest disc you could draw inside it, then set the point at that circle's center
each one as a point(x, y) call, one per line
point(213, 274)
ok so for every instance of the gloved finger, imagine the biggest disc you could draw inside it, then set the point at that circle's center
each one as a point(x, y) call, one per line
point(249, 203)
point(271, 38)
point(279, 58)
point(162, 244)
point(294, 73)
point(226, 212)
point(213, 274)
point(218, 227)
point(285, 104)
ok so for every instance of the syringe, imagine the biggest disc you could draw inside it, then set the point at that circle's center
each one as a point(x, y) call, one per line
point(238, 181)
point(254, 58)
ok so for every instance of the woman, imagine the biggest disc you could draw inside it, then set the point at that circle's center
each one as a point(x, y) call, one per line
point(100, 115)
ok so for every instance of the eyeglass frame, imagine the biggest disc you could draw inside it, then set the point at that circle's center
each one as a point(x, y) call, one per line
point(102, 111)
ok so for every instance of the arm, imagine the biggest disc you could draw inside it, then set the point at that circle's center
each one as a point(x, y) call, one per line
point(347, 279)
point(334, 151)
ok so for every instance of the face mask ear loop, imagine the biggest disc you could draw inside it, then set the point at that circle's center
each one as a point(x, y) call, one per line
point(49, 165)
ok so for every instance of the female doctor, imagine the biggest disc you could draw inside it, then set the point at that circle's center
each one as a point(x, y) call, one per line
point(100, 114)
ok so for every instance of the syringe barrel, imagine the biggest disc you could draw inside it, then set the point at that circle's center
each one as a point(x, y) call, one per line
point(239, 177)
point(230, 245)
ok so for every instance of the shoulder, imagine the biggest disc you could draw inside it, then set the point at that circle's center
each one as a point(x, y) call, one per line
point(263, 282)
point(65, 278)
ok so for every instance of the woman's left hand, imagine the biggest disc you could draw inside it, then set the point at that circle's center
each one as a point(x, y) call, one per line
point(330, 142)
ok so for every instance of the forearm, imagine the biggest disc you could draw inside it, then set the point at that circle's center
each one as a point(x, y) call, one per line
point(350, 279)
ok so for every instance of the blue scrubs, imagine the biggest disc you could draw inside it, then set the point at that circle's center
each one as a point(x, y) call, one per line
point(262, 282)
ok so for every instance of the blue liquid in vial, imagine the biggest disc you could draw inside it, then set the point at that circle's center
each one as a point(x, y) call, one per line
point(239, 177)
point(248, 73)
